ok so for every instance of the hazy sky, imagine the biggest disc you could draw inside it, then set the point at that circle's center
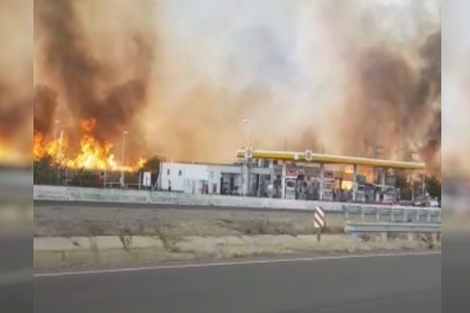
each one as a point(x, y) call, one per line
point(292, 67)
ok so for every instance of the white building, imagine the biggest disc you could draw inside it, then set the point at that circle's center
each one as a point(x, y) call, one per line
point(187, 178)
point(211, 178)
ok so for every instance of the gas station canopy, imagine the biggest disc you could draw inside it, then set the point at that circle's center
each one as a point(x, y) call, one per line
point(309, 156)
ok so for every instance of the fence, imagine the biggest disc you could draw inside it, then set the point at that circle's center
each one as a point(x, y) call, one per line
point(63, 193)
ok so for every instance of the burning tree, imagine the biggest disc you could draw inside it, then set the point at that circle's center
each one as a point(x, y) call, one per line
point(92, 154)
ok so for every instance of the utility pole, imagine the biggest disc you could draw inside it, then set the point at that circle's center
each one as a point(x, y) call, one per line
point(124, 133)
point(56, 126)
point(59, 154)
point(247, 129)
point(245, 171)
point(57, 161)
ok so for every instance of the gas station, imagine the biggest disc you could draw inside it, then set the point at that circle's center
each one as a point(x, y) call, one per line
point(290, 162)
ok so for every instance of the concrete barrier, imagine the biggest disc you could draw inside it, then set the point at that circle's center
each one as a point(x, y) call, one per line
point(63, 193)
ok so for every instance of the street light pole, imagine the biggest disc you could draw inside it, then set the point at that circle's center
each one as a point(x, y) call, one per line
point(56, 124)
point(124, 133)
point(246, 171)
point(58, 156)
point(247, 125)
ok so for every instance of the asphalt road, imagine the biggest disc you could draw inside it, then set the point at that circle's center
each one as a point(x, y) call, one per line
point(385, 284)
point(16, 273)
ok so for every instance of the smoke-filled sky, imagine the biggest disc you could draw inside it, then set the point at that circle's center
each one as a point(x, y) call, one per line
point(181, 76)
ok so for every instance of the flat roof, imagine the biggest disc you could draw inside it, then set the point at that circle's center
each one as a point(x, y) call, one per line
point(330, 159)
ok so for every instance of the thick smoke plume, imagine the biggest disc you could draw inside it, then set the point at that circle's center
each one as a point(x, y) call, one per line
point(45, 105)
point(325, 74)
point(88, 83)
point(392, 103)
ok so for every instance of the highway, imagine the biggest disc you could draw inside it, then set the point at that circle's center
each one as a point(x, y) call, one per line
point(16, 273)
point(367, 283)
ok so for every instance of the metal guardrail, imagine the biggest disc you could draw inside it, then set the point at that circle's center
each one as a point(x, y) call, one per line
point(359, 228)
point(413, 230)
point(394, 213)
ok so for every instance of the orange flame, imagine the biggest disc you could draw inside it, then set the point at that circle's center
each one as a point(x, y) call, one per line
point(93, 155)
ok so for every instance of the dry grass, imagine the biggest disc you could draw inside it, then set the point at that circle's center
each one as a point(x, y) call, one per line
point(103, 221)
point(142, 251)
point(149, 235)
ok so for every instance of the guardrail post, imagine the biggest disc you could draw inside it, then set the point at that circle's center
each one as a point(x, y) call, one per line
point(346, 213)
point(377, 214)
point(392, 215)
point(362, 213)
point(405, 215)
point(417, 215)
point(429, 216)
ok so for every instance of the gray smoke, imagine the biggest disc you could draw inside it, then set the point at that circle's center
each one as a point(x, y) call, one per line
point(81, 76)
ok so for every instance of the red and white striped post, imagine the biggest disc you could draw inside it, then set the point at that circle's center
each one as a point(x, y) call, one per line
point(319, 221)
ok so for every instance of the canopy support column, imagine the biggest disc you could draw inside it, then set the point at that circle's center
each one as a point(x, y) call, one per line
point(354, 183)
point(322, 181)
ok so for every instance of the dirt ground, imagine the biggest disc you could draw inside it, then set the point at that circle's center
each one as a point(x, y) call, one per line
point(89, 234)
point(83, 252)
point(62, 220)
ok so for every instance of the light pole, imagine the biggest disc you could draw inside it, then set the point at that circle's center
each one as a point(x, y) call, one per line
point(58, 146)
point(247, 143)
point(124, 133)
point(56, 125)
point(247, 129)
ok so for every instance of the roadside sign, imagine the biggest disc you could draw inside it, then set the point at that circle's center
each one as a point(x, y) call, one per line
point(319, 221)
point(319, 217)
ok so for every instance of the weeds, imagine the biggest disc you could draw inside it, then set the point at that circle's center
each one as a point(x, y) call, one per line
point(94, 250)
point(267, 227)
point(167, 237)
point(94, 229)
point(334, 230)
point(125, 236)
point(427, 240)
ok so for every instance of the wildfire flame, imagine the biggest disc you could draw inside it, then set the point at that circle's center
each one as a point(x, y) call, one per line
point(349, 171)
point(92, 155)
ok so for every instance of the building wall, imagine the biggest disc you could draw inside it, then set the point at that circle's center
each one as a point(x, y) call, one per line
point(187, 178)
point(218, 172)
point(190, 178)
